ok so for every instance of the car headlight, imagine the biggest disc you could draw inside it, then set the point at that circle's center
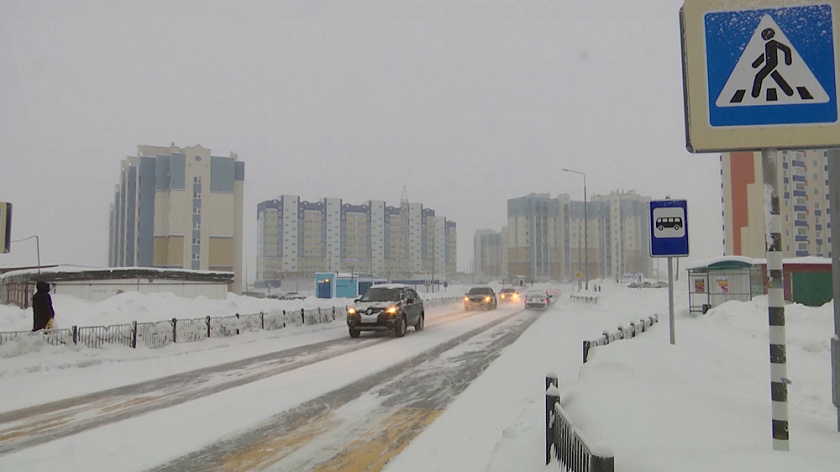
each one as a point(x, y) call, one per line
point(466, 299)
point(486, 299)
point(351, 311)
point(391, 310)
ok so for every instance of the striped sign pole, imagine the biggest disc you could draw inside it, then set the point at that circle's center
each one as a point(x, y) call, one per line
point(775, 301)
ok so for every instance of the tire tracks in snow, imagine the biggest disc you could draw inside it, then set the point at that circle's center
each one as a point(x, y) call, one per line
point(363, 425)
point(40, 424)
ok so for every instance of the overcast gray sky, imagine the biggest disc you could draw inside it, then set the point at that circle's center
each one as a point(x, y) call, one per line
point(467, 104)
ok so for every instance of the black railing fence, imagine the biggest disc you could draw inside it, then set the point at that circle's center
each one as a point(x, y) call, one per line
point(572, 451)
point(583, 298)
point(180, 330)
point(623, 332)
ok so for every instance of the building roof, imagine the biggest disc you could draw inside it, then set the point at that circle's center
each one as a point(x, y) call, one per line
point(723, 263)
point(73, 273)
point(740, 262)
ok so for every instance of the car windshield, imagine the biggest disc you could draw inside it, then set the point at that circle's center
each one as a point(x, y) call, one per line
point(381, 294)
point(508, 290)
point(480, 291)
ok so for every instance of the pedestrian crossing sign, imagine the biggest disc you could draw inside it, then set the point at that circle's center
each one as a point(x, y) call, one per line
point(758, 75)
point(776, 67)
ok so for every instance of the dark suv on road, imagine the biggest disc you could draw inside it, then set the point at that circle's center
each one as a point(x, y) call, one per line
point(388, 307)
point(480, 297)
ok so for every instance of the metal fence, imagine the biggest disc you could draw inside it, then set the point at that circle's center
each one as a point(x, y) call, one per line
point(631, 331)
point(583, 298)
point(572, 451)
point(162, 333)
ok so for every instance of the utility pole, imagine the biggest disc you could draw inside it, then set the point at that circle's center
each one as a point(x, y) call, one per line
point(585, 238)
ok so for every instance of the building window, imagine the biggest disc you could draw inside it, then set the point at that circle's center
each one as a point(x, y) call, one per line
point(196, 224)
point(196, 180)
point(196, 210)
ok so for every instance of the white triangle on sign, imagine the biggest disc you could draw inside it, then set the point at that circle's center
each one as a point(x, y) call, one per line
point(757, 81)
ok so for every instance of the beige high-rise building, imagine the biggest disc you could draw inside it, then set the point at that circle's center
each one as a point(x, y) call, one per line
point(296, 238)
point(535, 238)
point(179, 208)
point(556, 238)
point(489, 259)
point(621, 227)
point(803, 197)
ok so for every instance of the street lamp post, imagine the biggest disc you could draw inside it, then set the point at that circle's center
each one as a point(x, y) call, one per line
point(585, 225)
point(37, 248)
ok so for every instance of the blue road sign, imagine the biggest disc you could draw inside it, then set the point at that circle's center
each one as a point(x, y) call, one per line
point(772, 66)
point(668, 228)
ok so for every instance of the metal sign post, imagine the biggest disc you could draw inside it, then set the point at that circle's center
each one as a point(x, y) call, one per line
point(834, 202)
point(775, 302)
point(673, 332)
point(5, 227)
point(669, 238)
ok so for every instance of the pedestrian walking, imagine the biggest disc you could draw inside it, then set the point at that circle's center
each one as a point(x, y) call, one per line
point(42, 309)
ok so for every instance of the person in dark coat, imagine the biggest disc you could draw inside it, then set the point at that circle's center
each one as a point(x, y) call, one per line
point(42, 309)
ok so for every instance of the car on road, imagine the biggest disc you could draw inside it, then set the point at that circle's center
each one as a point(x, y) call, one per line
point(509, 295)
point(292, 296)
point(536, 299)
point(480, 298)
point(386, 307)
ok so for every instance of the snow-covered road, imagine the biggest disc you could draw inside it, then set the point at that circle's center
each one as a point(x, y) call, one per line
point(328, 405)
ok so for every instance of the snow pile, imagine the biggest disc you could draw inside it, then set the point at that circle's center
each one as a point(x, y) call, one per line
point(708, 396)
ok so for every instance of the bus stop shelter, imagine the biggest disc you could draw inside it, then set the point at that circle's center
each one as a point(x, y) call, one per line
point(723, 279)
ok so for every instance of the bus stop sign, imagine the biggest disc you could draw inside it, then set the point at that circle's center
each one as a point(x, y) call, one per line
point(668, 228)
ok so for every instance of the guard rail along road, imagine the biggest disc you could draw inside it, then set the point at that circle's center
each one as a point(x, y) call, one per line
point(583, 298)
point(572, 451)
point(162, 333)
point(623, 333)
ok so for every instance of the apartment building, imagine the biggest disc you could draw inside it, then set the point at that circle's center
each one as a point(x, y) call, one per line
point(178, 208)
point(297, 238)
point(490, 257)
point(535, 237)
point(622, 235)
point(804, 203)
point(555, 238)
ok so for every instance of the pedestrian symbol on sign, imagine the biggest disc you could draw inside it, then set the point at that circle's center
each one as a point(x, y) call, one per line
point(770, 55)
point(770, 58)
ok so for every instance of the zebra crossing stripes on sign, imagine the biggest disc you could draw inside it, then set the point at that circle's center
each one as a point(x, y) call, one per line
point(771, 66)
